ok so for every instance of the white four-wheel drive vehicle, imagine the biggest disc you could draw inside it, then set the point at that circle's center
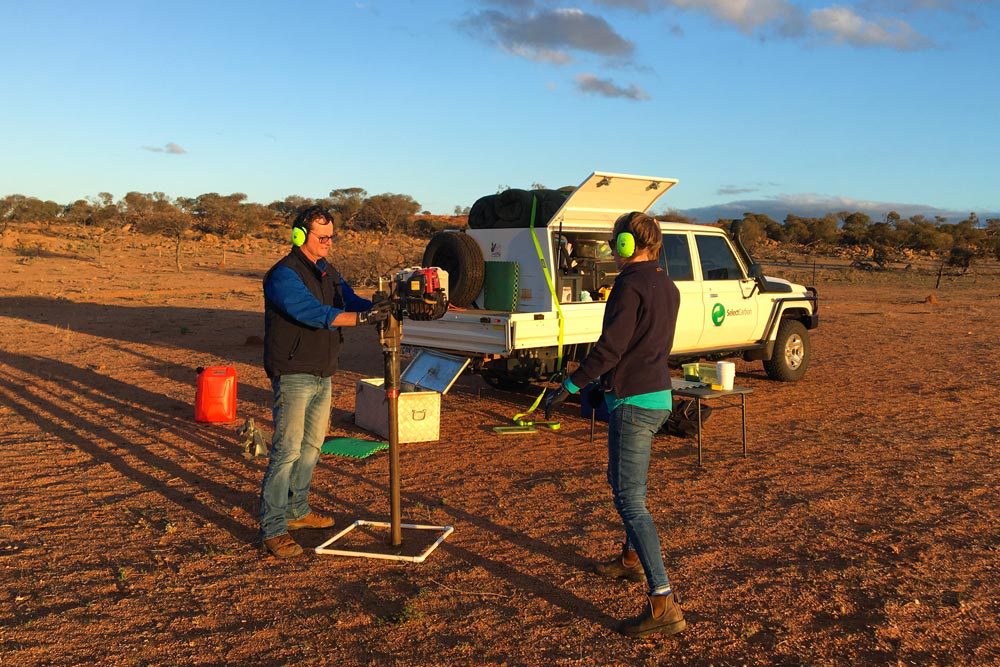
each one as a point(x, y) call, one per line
point(517, 278)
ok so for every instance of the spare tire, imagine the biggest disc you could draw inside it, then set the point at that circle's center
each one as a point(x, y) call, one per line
point(459, 255)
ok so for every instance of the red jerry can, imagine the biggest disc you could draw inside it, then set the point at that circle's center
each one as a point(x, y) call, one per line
point(215, 398)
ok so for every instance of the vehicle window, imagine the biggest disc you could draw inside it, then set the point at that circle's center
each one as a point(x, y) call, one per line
point(717, 259)
point(675, 257)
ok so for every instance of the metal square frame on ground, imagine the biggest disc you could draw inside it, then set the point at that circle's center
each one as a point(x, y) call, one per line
point(420, 558)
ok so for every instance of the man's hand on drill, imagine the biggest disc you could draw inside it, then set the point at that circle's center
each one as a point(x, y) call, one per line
point(379, 312)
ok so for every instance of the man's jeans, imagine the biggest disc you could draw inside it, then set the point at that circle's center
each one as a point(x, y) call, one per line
point(630, 439)
point(301, 414)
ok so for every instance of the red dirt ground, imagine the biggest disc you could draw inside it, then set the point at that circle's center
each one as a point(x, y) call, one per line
point(862, 528)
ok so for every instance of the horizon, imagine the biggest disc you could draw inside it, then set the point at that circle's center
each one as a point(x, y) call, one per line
point(808, 106)
point(776, 210)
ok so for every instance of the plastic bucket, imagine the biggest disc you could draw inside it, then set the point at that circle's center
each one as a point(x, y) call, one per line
point(725, 372)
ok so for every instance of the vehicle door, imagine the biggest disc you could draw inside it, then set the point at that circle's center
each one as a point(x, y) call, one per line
point(675, 257)
point(730, 316)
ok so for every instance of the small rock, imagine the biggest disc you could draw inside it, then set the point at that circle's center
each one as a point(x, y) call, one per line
point(952, 598)
point(253, 340)
point(931, 299)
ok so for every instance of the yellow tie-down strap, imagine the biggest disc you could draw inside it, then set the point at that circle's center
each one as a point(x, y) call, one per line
point(519, 418)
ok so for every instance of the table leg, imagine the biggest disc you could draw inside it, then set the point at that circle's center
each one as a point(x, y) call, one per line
point(743, 410)
point(698, 401)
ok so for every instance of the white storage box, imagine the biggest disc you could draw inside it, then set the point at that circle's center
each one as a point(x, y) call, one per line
point(428, 376)
point(419, 412)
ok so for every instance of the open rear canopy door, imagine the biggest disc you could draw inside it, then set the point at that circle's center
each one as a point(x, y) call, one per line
point(604, 196)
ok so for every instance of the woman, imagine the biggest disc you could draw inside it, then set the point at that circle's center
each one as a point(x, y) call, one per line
point(630, 363)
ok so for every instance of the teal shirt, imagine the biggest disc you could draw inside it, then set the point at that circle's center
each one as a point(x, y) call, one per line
point(654, 400)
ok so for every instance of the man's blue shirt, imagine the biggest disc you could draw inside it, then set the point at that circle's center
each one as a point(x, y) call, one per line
point(285, 289)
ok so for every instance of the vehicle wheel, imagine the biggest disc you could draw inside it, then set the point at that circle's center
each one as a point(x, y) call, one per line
point(460, 256)
point(504, 382)
point(790, 359)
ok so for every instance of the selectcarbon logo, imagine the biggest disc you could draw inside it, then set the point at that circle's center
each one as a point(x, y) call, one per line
point(718, 314)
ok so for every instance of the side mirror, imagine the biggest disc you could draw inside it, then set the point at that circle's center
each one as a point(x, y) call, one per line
point(755, 271)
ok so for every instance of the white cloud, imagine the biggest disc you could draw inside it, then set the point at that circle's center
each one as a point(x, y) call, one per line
point(909, 6)
point(550, 56)
point(644, 6)
point(843, 25)
point(747, 15)
point(734, 190)
point(549, 35)
point(868, 24)
point(592, 85)
point(517, 4)
point(170, 148)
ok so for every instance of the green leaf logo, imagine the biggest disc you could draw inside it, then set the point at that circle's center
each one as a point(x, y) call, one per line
point(718, 314)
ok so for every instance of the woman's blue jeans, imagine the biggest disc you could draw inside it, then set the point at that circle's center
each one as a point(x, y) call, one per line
point(630, 439)
point(301, 412)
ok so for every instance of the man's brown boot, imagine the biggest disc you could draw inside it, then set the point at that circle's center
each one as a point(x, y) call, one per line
point(663, 615)
point(311, 520)
point(282, 546)
point(626, 566)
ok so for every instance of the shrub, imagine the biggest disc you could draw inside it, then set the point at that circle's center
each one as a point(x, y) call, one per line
point(428, 227)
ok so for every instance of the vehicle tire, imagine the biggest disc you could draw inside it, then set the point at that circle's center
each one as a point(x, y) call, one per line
point(790, 358)
point(460, 256)
point(505, 383)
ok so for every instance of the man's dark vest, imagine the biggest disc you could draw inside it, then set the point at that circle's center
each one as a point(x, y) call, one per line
point(292, 347)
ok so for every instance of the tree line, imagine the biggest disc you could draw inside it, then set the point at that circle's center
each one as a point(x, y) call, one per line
point(882, 240)
point(231, 216)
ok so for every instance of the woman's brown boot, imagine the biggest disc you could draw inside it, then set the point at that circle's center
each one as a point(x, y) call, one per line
point(663, 615)
point(626, 566)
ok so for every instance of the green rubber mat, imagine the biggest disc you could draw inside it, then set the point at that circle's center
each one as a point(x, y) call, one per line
point(355, 448)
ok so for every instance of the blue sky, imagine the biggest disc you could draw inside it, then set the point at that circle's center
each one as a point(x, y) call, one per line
point(868, 104)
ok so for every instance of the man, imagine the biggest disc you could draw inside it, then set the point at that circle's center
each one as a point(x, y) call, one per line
point(630, 362)
point(305, 304)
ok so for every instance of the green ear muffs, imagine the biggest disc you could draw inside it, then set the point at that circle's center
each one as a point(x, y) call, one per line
point(298, 236)
point(625, 245)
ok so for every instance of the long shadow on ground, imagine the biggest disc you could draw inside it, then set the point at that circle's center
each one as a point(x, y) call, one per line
point(219, 332)
point(127, 451)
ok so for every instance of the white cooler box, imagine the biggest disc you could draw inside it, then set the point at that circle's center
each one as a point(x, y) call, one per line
point(419, 412)
point(428, 376)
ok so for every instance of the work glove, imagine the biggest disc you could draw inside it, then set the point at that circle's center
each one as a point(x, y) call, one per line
point(595, 395)
point(379, 312)
point(553, 399)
